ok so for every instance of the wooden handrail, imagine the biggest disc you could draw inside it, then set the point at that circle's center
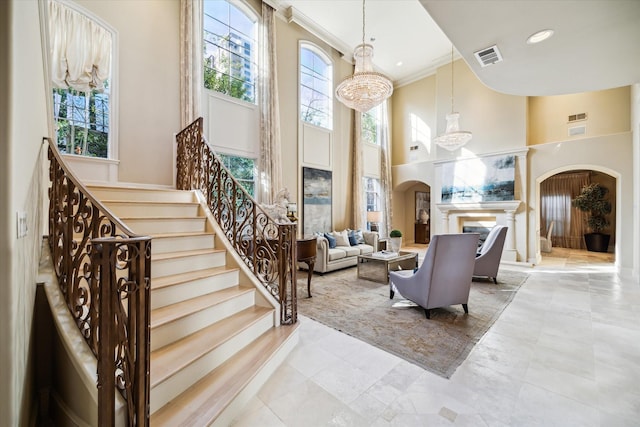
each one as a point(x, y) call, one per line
point(104, 272)
point(267, 248)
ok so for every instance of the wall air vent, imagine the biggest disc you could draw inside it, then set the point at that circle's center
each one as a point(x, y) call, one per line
point(577, 130)
point(577, 117)
point(488, 56)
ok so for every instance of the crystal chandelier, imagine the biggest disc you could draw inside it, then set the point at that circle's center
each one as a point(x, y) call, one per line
point(453, 138)
point(365, 88)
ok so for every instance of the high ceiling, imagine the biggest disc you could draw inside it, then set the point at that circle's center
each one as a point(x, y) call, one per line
point(596, 43)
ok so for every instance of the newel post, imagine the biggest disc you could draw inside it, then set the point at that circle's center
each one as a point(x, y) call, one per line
point(124, 335)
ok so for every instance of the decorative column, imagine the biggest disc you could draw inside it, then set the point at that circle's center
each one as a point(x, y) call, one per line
point(509, 253)
point(445, 222)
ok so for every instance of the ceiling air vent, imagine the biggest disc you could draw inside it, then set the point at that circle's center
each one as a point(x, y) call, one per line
point(488, 56)
point(577, 117)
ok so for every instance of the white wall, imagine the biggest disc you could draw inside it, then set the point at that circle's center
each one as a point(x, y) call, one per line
point(24, 113)
point(635, 129)
point(148, 73)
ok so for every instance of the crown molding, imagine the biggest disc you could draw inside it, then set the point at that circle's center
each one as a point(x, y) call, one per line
point(291, 14)
point(426, 72)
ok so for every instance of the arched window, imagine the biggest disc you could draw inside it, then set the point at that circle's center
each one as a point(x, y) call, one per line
point(316, 87)
point(230, 49)
point(82, 100)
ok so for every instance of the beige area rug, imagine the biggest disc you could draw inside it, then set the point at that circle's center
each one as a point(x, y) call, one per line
point(362, 309)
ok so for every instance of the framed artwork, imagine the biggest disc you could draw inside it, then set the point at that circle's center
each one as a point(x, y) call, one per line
point(423, 206)
point(316, 200)
point(483, 179)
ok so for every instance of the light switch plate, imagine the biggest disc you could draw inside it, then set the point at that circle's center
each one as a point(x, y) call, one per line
point(22, 224)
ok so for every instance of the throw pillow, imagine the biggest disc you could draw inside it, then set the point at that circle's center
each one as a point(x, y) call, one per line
point(342, 238)
point(359, 237)
point(352, 238)
point(331, 239)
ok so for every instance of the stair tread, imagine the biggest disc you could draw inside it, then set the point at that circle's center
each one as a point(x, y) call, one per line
point(169, 255)
point(147, 202)
point(163, 315)
point(174, 279)
point(205, 400)
point(164, 218)
point(171, 358)
point(183, 234)
point(134, 187)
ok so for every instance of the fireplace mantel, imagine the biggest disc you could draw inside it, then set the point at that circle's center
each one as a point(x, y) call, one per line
point(506, 206)
point(509, 208)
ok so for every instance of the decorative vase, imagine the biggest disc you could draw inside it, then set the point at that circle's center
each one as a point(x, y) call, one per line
point(424, 216)
point(396, 243)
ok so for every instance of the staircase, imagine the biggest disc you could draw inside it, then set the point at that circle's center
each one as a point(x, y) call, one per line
point(215, 337)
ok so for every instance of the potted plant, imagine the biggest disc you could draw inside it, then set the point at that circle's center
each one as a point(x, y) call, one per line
point(395, 238)
point(591, 199)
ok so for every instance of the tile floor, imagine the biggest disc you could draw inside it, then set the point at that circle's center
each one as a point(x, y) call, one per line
point(565, 352)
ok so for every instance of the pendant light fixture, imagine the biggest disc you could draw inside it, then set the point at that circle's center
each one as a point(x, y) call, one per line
point(453, 138)
point(365, 88)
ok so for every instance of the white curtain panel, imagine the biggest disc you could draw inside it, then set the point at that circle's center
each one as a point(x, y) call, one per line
point(80, 50)
point(556, 193)
point(191, 83)
point(270, 152)
point(386, 186)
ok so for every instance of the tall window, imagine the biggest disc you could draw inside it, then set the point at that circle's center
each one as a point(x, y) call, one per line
point(242, 169)
point(230, 50)
point(316, 87)
point(82, 121)
point(371, 122)
point(372, 194)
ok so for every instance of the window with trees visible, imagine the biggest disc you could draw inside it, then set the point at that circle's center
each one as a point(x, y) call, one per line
point(230, 45)
point(82, 121)
point(316, 87)
point(372, 194)
point(371, 123)
point(242, 169)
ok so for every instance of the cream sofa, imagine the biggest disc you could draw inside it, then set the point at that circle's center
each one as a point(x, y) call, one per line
point(343, 256)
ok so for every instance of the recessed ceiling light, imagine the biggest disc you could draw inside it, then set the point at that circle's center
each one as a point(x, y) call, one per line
point(399, 64)
point(539, 36)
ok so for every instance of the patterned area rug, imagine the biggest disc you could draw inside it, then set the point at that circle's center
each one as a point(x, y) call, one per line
point(362, 309)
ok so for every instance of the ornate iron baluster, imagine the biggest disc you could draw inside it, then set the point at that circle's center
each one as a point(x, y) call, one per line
point(76, 221)
point(266, 247)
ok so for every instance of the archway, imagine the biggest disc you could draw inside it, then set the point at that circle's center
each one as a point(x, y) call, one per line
point(610, 178)
point(410, 199)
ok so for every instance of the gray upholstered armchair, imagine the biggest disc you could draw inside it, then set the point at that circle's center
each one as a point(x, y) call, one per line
point(489, 254)
point(444, 277)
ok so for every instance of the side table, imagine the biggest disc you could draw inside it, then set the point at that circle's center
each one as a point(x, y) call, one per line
point(306, 249)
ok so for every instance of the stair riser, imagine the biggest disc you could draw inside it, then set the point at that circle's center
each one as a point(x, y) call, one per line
point(158, 226)
point(173, 331)
point(170, 266)
point(162, 245)
point(142, 195)
point(238, 405)
point(176, 384)
point(153, 210)
point(192, 289)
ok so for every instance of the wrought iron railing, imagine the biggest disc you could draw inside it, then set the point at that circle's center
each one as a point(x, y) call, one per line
point(264, 245)
point(104, 271)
